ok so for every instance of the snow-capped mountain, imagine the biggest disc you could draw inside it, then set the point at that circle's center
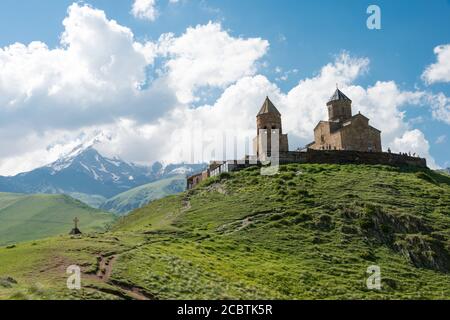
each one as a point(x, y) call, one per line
point(89, 162)
point(85, 171)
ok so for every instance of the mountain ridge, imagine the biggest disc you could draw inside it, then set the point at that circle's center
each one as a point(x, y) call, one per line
point(85, 173)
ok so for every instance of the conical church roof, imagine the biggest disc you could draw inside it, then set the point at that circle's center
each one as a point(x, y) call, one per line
point(268, 107)
point(339, 96)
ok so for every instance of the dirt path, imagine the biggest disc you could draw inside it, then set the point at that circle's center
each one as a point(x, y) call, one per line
point(105, 265)
point(105, 268)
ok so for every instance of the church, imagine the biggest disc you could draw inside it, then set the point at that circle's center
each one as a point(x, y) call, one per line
point(343, 139)
point(342, 131)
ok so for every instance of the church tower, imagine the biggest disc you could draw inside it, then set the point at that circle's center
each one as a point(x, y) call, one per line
point(339, 107)
point(268, 123)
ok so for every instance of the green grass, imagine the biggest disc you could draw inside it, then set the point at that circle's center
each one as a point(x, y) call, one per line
point(309, 232)
point(30, 217)
point(141, 196)
point(94, 201)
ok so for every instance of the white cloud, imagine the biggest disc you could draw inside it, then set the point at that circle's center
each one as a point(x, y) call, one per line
point(24, 153)
point(440, 106)
point(92, 77)
point(439, 71)
point(207, 56)
point(96, 81)
point(145, 9)
point(414, 141)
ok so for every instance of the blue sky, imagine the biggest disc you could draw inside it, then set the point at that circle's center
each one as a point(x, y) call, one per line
point(304, 36)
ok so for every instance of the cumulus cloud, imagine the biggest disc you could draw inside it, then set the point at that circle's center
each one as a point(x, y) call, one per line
point(439, 71)
point(101, 81)
point(97, 77)
point(145, 9)
point(414, 141)
point(26, 152)
point(93, 77)
point(207, 56)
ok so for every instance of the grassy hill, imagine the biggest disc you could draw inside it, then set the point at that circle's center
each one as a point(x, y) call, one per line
point(140, 196)
point(310, 232)
point(94, 200)
point(30, 217)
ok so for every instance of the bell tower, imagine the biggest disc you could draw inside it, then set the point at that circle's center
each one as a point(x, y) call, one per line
point(268, 123)
point(339, 107)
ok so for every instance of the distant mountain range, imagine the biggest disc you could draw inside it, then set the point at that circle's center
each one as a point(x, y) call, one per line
point(90, 177)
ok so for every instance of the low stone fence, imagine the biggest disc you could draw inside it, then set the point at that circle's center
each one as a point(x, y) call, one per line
point(313, 156)
point(351, 157)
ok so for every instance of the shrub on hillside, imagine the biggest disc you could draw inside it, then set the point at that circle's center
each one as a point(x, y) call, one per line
point(225, 176)
point(211, 181)
point(324, 222)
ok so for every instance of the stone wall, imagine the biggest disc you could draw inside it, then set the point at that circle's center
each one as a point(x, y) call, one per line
point(325, 137)
point(350, 157)
point(358, 135)
point(339, 110)
point(312, 156)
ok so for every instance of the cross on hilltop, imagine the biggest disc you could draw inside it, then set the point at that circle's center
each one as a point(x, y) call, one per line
point(75, 230)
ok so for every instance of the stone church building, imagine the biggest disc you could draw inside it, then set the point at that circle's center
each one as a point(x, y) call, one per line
point(343, 131)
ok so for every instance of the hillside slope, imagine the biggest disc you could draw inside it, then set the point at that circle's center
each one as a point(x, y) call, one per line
point(140, 196)
point(310, 232)
point(30, 217)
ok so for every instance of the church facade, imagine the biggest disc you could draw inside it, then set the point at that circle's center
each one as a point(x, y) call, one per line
point(344, 131)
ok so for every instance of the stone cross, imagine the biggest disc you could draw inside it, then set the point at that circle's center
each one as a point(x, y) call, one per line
point(76, 220)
